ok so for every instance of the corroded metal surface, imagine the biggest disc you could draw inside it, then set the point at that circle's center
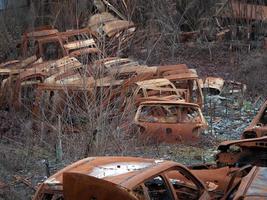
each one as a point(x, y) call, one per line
point(170, 121)
point(125, 177)
point(242, 152)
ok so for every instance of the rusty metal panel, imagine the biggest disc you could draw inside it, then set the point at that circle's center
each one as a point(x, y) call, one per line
point(84, 187)
point(213, 85)
point(114, 27)
point(243, 152)
point(112, 175)
point(253, 186)
point(170, 121)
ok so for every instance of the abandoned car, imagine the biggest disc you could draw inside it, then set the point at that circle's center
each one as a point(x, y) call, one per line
point(243, 152)
point(128, 177)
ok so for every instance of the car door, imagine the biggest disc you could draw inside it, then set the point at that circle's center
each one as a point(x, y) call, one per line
point(78, 186)
point(185, 185)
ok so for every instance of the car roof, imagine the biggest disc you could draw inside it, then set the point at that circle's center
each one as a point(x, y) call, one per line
point(181, 76)
point(179, 102)
point(125, 171)
point(153, 82)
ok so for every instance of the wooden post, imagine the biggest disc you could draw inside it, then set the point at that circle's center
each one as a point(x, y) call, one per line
point(59, 151)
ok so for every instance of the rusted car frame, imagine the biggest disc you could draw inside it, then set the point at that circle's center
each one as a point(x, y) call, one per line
point(54, 99)
point(38, 40)
point(252, 186)
point(104, 67)
point(187, 80)
point(40, 73)
point(143, 179)
point(170, 121)
point(243, 152)
point(212, 85)
point(111, 32)
point(154, 88)
point(258, 126)
point(108, 24)
point(76, 43)
point(80, 44)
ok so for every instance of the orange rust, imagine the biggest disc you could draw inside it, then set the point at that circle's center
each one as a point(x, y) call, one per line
point(122, 176)
point(243, 152)
point(170, 121)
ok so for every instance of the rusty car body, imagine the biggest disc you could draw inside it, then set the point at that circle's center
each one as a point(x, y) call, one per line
point(188, 80)
point(136, 178)
point(170, 121)
point(258, 126)
point(80, 44)
point(111, 33)
point(212, 85)
point(250, 187)
point(50, 44)
point(113, 65)
point(44, 43)
point(106, 23)
point(243, 152)
point(25, 83)
point(150, 89)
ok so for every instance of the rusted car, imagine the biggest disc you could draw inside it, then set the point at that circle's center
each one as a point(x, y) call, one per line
point(188, 80)
point(107, 66)
point(147, 90)
point(219, 180)
point(243, 152)
point(258, 126)
point(111, 33)
point(122, 178)
point(250, 187)
point(44, 42)
point(170, 121)
point(25, 83)
point(49, 44)
point(72, 96)
point(163, 69)
point(212, 85)
point(80, 44)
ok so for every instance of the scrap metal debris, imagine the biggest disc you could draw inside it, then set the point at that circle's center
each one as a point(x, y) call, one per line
point(258, 126)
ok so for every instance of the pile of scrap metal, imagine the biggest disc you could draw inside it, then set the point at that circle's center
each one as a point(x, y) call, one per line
point(45, 87)
point(169, 94)
point(112, 33)
point(146, 179)
point(58, 71)
point(45, 52)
